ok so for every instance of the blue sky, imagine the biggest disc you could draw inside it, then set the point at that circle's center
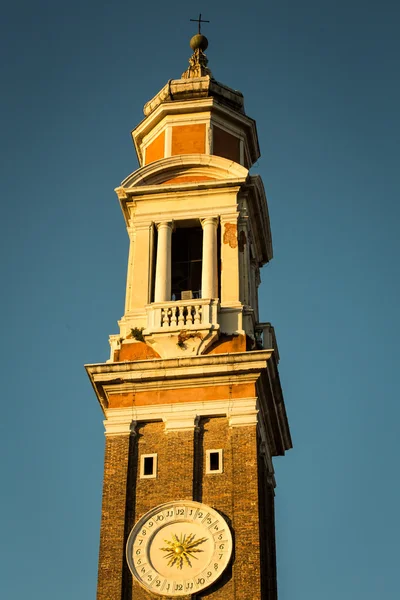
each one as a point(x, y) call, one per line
point(321, 80)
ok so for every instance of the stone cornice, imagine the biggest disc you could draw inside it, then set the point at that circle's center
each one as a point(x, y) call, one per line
point(237, 361)
point(198, 187)
point(182, 417)
point(175, 192)
point(172, 166)
point(147, 184)
point(200, 87)
point(187, 380)
point(108, 378)
point(256, 367)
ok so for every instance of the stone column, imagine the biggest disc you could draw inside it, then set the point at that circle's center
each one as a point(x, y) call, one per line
point(209, 274)
point(163, 264)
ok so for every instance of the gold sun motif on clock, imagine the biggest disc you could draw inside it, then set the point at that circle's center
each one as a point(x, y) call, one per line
point(181, 549)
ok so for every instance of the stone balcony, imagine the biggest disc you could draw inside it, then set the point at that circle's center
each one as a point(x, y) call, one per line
point(189, 327)
point(183, 327)
point(195, 314)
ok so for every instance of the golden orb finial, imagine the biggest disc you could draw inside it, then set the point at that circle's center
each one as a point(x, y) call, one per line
point(199, 42)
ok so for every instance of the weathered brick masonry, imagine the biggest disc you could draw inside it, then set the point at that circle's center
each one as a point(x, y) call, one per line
point(112, 564)
point(243, 500)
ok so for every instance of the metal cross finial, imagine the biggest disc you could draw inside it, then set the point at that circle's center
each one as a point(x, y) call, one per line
point(199, 21)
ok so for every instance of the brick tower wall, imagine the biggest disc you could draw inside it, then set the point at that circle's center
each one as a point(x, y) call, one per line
point(236, 493)
point(112, 564)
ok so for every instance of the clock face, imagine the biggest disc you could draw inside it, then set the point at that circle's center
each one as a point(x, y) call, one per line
point(179, 548)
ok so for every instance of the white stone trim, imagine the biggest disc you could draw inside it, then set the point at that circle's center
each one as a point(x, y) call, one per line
point(243, 418)
point(200, 109)
point(209, 139)
point(202, 118)
point(158, 171)
point(162, 126)
point(119, 426)
point(154, 473)
point(196, 213)
point(210, 471)
point(182, 416)
point(231, 217)
point(152, 135)
point(173, 367)
point(179, 385)
point(183, 380)
point(115, 344)
point(187, 119)
point(175, 373)
point(168, 141)
point(228, 127)
point(180, 422)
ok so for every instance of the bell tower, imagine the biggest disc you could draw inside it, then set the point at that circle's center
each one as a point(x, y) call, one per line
point(193, 406)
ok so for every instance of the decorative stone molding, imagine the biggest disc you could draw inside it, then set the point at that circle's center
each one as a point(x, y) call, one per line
point(177, 375)
point(176, 372)
point(216, 167)
point(119, 426)
point(191, 341)
point(197, 66)
point(186, 89)
point(179, 417)
point(180, 422)
point(243, 418)
point(121, 193)
point(115, 344)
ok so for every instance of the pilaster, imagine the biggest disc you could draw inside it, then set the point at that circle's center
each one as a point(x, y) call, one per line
point(229, 259)
point(139, 269)
point(129, 276)
point(244, 262)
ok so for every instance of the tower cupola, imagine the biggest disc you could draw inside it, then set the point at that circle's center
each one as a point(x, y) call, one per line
point(196, 115)
point(197, 219)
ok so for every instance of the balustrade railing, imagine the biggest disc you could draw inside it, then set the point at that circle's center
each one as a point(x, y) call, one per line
point(180, 316)
point(183, 314)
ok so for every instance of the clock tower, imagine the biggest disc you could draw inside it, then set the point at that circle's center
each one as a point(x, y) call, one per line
point(191, 396)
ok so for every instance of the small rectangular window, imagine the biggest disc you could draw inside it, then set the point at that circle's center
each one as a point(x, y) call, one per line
point(214, 461)
point(148, 466)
